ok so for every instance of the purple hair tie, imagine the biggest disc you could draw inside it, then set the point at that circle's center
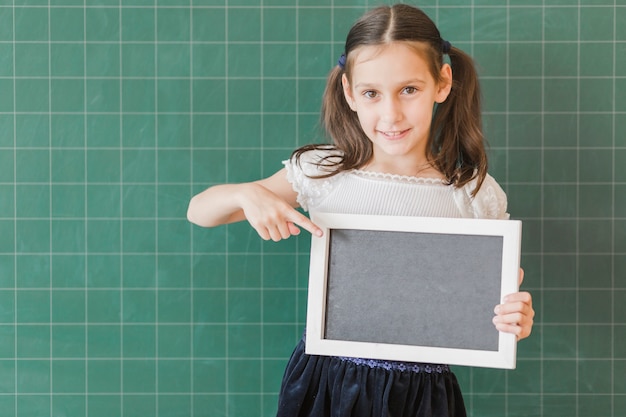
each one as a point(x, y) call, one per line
point(342, 61)
point(445, 46)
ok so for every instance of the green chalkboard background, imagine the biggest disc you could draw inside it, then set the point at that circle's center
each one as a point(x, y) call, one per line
point(113, 114)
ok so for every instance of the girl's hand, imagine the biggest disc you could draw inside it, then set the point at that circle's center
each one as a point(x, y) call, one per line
point(515, 315)
point(272, 217)
point(267, 204)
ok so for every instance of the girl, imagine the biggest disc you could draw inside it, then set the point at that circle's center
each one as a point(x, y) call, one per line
point(406, 140)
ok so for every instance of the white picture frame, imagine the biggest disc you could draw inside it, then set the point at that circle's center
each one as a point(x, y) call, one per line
point(355, 271)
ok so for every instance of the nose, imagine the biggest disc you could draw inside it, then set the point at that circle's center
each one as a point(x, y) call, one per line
point(391, 110)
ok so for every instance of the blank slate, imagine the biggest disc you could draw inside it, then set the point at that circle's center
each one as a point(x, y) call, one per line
point(412, 289)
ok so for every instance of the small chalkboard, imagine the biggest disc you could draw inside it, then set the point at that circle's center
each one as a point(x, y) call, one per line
point(412, 289)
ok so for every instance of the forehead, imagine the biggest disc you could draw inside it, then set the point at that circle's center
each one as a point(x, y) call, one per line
point(398, 60)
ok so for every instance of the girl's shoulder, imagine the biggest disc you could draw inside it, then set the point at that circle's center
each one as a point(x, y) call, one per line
point(308, 172)
point(490, 201)
point(315, 160)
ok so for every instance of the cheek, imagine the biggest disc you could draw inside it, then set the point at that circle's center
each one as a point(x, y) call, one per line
point(423, 110)
point(367, 117)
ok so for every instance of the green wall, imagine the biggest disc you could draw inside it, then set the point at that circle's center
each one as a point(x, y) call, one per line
point(113, 114)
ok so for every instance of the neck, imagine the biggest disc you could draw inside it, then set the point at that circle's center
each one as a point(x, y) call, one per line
point(410, 169)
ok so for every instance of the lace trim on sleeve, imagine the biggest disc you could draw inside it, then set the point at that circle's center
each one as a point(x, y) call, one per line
point(311, 191)
point(489, 203)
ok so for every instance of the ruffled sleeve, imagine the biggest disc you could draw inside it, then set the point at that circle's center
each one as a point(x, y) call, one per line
point(489, 203)
point(301, 174)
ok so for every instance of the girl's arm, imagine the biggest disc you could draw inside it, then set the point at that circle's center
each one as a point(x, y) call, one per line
point(516, 314)
point(268, 205)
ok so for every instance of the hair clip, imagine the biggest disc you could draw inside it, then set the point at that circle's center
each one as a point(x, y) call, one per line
point(445, 46)
point(342, 61)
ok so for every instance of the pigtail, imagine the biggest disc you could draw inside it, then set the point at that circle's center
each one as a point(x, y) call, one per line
point(341, 124)
point(458, 147)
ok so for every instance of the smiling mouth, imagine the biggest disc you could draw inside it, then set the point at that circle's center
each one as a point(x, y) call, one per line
point(394, 134)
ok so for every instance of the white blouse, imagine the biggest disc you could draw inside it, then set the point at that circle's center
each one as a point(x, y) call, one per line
point(365, 192)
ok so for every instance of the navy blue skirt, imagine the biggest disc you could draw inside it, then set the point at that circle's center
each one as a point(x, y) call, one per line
point(327, 386)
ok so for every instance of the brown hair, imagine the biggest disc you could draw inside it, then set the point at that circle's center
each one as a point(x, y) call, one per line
point(456, 146)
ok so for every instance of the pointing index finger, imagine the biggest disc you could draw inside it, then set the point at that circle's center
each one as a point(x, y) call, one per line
point(306, 223)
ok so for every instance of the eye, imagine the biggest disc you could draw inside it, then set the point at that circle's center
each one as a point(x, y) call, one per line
point(409, 90)
point(370, 94)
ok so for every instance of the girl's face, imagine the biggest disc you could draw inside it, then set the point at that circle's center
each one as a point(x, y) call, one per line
point(393, 94)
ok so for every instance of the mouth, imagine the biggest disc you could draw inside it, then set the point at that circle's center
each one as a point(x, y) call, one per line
point(393, 134)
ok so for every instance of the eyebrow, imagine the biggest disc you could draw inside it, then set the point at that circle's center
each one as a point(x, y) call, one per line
point(403, 83)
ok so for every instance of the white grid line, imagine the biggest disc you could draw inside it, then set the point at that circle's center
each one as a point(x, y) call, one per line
point(228, 395)
point(51, 370)
point(542, 214)
point(15, 213)
point(262, 138)
point(614, 214)
point(121, 195)
point(578, 161)
point(156, 201)
point(192, 353)
point(507, 141)
point(85, 206)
